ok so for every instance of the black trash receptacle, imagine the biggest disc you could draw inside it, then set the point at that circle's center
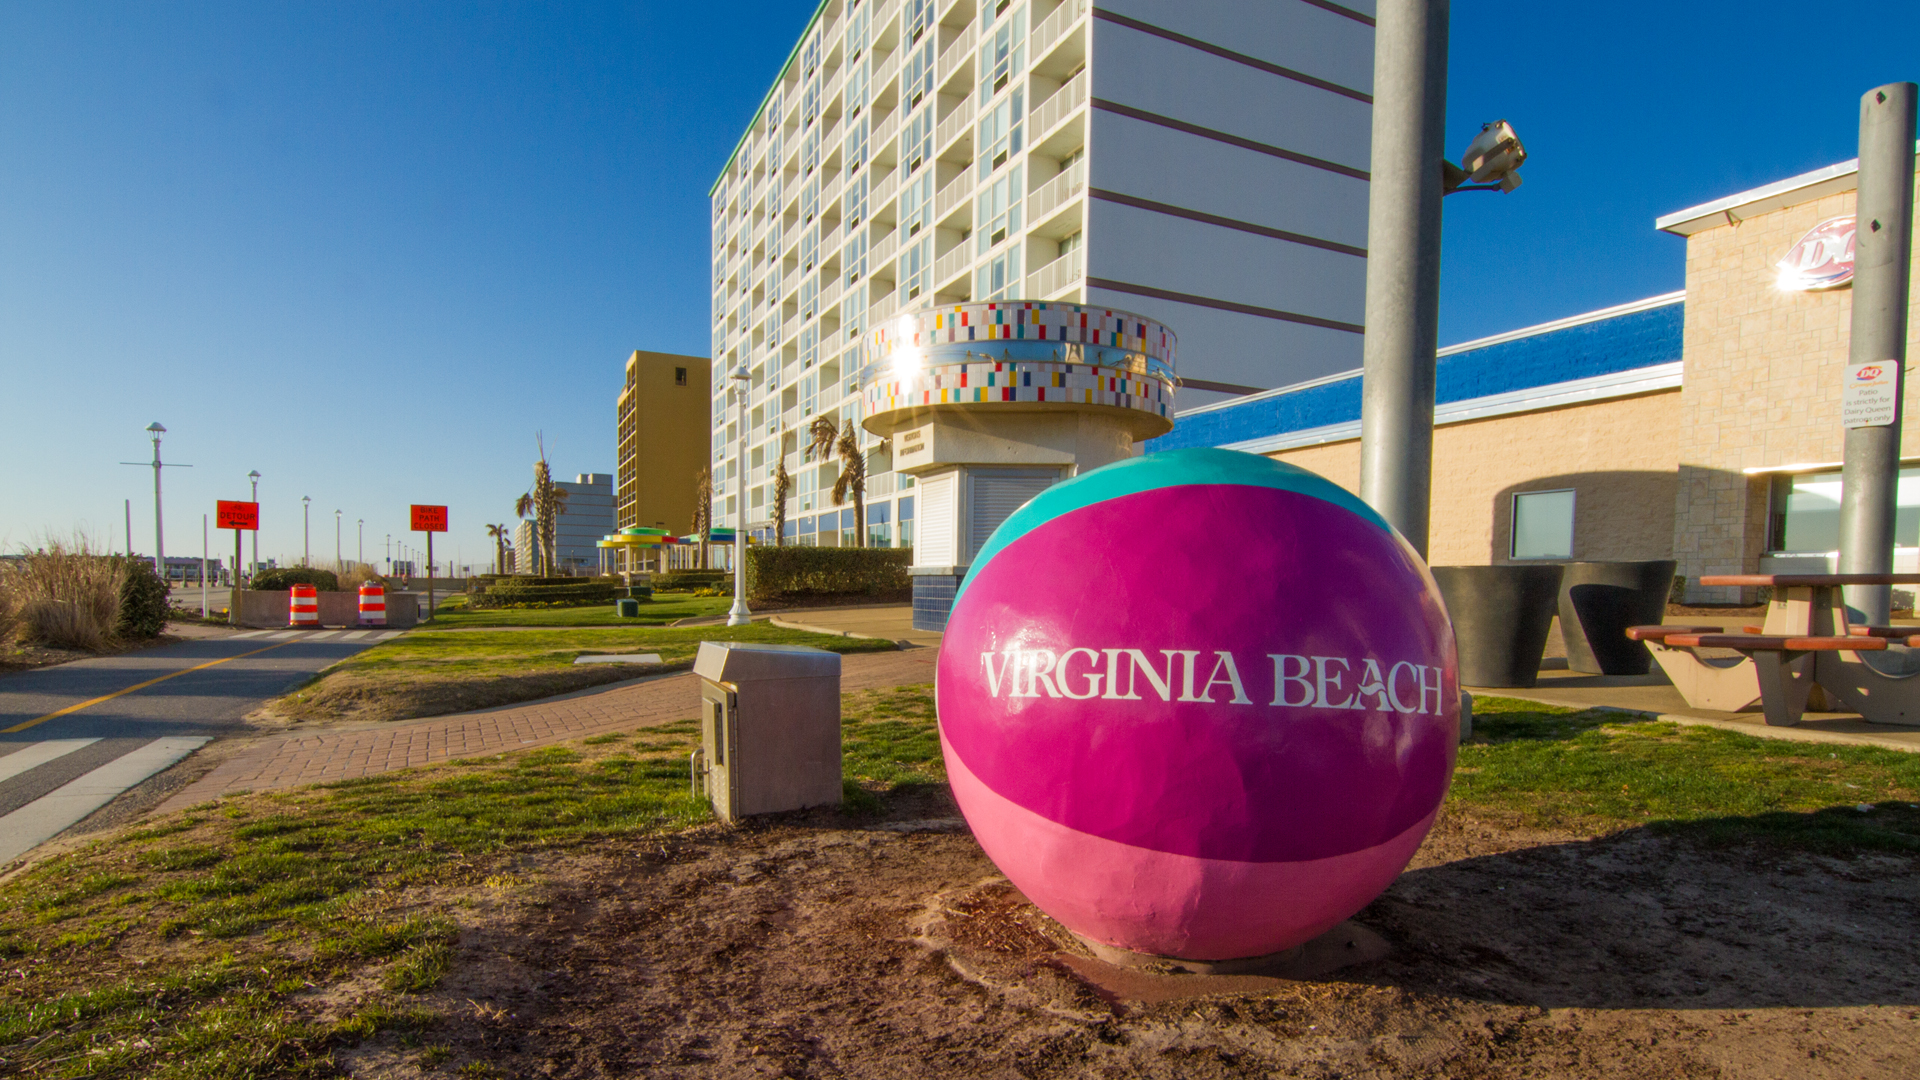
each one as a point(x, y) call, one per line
point(1599, 600)
point(1501, 615)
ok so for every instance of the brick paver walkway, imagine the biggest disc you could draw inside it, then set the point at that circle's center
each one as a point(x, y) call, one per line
point(295, 760)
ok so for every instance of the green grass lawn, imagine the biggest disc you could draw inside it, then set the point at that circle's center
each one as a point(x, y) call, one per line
point(253, 936)
point(664, 608)
point(431, 673)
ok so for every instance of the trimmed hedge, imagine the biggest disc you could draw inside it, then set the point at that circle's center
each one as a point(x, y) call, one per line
point(691, 579)
point(287, 577)
point(143, 602)
point(514, 595)
point(777, 572)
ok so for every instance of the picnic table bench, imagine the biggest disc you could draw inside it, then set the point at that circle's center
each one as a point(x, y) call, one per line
point(1806, 642)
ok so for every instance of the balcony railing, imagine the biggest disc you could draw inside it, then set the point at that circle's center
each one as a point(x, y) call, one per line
point(955, 125)
point(883, 308)
point(1057, 108)
point(882, 253)
point(952, 264)
point(884, 133)
point(1057, 191)
point(955, 54)
point(1055, 26)
point(953, 194)
point(1060, 273)
point(883, 191)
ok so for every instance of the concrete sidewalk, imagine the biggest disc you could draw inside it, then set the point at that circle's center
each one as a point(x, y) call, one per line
point(295, 760)
point(892, 622)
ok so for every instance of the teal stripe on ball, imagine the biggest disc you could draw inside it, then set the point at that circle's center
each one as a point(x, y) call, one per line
point(1173, 468)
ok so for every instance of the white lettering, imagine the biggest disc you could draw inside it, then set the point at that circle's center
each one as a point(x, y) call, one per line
point(1186, 671)
point(1094, 678)
point(993, 677)
point(1281, 680)
point(1224, 662)
point(1038, 673)
point(1433, 687)
point(1163, 687)
point(1320, 678)
point(1393, 685)
point(1113, 676)
point(1372, 685)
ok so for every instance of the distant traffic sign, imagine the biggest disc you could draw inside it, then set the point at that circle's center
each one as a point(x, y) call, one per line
point(429, 519)
point(238, 515)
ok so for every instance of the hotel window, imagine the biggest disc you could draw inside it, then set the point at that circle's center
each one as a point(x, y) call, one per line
point(1543, 524)
point(1002, 55)
point(1803, 512)
point(809, 246)
point(853, 203)
point(906, 522)
point(919, 16)
point(806, 538)
point(809, 352)
point(914, 263)
point(1000, 129)
point(859, 22)
point(856, 143)
point(853, 257)
point(810, 54)
point(773, 251)
point(916, 204)
point(809, 103)
point(809, 293)
point(999, 278)
point(993, 9)
point(999, 210)
point(916, 75)
point(855, 94)
point(916, 140)
point(809, 199)
point(853, 317)
point(880, 525)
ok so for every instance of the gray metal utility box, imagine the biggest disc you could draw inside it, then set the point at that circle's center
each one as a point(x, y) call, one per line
point(769, 727)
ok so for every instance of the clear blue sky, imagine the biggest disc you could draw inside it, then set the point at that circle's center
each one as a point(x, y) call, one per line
point(371, 249)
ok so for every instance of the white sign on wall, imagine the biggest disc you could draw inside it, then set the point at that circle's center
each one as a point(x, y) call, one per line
point(1870, 396)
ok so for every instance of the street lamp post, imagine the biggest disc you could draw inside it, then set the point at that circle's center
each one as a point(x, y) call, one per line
point(739, 615)
point(306, 530)
point(360, 546)
point(339, 564)
point(159, 534)
point(255, 477)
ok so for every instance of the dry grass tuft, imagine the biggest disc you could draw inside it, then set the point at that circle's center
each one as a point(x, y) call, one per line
point(65, 594)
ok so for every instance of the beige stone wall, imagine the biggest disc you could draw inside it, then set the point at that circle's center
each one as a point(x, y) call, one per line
point(1762, 385)
point(1618, 456)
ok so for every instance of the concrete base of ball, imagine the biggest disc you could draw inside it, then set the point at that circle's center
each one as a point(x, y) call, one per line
point(1342, 946)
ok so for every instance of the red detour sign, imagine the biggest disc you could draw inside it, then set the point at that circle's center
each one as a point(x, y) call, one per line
point(1823, 259)
point(429, 519)
point(237, 515)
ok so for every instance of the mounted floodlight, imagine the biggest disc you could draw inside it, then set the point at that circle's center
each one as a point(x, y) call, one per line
point(1492, 162)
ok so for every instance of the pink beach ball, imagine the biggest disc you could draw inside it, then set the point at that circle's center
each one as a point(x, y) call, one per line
point(1199, 704)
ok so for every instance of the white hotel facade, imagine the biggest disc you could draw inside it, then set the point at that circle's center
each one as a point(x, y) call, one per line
point(1200, 162)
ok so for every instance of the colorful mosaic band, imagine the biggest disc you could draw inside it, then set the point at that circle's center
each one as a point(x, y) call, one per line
point(1019, 352)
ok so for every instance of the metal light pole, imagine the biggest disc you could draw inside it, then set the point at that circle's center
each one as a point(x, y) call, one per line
point(389, 553)
point(254, 476)
point(738, 615)
point(206, 609)
point(306, 530)
point(1403, 263)
point(360, 547)
point(339, 564)
point(1883, 253)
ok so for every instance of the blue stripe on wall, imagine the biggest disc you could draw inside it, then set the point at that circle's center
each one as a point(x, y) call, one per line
point(1625, 342)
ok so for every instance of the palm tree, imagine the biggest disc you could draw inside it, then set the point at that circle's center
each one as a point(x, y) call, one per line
point(703, 516)
point(549, 502)
point(499, 535)
point(782, 484)
point(829, 438)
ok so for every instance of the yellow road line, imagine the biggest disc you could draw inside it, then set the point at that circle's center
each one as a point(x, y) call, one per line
point(139, 686)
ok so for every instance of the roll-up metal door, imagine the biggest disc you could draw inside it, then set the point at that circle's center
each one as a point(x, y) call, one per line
point(997, 494)
point(933, 539)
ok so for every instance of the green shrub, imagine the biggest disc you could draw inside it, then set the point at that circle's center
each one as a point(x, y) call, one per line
point(143, 602)
point(517, 595)
point(780, 572)
point(288, 577)
point(687, 580)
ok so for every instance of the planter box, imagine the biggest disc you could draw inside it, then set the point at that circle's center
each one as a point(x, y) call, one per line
point(1599, 600)
point(1501, 615)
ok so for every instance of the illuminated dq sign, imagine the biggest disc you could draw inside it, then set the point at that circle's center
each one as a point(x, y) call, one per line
point(1823, 259)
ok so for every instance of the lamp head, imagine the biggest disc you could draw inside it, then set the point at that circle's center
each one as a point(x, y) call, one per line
point(304, 500)
point(155, 428)
point(254, 476)
point(1495, 156)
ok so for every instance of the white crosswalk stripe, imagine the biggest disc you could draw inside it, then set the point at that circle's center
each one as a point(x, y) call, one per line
point(250, 634)
point(354, 635)
point(48, 816)
point(39, 754)
point(321, 636)
point(387, 635)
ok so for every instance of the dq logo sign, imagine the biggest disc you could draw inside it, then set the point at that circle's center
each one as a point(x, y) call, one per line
point(1868, 373)
point(1823, 259)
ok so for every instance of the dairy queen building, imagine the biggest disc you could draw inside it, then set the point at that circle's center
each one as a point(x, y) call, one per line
point(1703, 425)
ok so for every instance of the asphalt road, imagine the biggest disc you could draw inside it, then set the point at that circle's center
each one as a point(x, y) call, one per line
point(209, 702)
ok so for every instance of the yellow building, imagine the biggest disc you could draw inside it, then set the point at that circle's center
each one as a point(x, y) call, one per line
point(1702, 425)
point(664, 410)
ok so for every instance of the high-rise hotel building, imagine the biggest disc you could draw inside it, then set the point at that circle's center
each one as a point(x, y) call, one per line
point(1202, 162)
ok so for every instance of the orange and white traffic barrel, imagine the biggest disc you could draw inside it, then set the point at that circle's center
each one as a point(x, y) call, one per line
point(303, 607)
point(373, 605)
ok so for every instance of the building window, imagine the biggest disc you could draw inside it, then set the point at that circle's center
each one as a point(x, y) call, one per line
point(919, 16)
point(1000, 129)
point(916, 204)
point(916, 140)
point(1000, 277)
point(1003, 53)
point(679, 376)
point(914, 264)
point(1543, 524)
point(916, 75)
point(999, 210)
point(906, 522)
point(1803, 512)
point(880, 525)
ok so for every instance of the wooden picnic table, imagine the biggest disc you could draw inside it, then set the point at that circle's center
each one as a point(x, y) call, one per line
point(1806, 642)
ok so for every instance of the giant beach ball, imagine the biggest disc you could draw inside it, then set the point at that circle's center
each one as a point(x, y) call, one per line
point(1198, 704)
